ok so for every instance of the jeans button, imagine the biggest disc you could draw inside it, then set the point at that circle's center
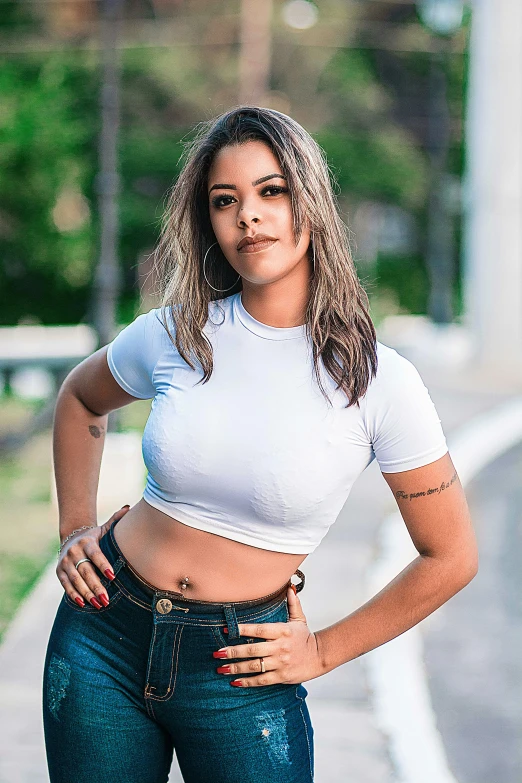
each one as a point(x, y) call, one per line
point(164, 606)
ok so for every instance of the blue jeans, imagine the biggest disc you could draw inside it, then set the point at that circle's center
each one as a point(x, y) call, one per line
point(126, 685)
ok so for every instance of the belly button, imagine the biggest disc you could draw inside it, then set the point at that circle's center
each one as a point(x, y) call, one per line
point(184, 584)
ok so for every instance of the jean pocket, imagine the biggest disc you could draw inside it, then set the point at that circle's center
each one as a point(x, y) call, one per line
point(277, 614)
point(113, 590)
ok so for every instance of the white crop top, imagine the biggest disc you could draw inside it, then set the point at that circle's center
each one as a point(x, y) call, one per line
point(255, 454)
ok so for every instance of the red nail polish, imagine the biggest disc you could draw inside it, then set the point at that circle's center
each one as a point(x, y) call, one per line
point(223, 669)
point(103, 598)
point(79, 601)
point(109, 573)
point(236, 683)
point(220, 654)
point(225, 629)
point(95, 603)
point(294, 589)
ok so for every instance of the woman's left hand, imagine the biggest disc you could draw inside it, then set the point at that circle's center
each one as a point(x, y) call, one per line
point(290, 652)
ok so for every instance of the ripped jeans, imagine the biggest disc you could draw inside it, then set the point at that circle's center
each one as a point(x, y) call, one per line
point(126, 685)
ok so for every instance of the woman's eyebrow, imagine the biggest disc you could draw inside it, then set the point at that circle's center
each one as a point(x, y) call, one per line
point(268, 176)
point(224, 186)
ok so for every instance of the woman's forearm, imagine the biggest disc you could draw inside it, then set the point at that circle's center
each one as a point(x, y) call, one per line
point(78, 439)
point(420, 588)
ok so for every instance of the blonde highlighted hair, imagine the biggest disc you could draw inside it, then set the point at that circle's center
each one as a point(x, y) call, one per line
point(337, 315)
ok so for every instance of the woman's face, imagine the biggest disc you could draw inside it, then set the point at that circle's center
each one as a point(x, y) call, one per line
point(251, 214)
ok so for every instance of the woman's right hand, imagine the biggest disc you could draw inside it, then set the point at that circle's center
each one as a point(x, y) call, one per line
point(82, 583)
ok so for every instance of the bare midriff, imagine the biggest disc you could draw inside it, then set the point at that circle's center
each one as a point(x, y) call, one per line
point(168, 554)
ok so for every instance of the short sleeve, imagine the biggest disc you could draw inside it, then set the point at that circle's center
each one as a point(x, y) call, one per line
point(134, 352)
point(400, 417)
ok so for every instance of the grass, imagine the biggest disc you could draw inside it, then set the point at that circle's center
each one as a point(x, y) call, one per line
point(18, 575)
point(29, 536)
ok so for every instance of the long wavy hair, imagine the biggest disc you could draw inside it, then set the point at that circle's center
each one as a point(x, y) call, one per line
point(337, 315)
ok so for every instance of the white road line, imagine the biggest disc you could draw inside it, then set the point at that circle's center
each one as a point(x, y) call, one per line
point(396, 671)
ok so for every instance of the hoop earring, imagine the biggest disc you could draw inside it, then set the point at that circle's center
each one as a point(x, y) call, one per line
point(206, 278)
point(313, 255)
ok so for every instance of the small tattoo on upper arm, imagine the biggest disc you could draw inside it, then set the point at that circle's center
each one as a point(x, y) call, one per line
point(400, 495)
point(95, 431)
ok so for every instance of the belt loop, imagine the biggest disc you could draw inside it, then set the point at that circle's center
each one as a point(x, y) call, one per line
point(301, 584)
point(120, 560)
point(232, 625)
point(117, 566)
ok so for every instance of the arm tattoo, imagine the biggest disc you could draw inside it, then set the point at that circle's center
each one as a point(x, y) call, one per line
point(95, 431)
point(400, 495)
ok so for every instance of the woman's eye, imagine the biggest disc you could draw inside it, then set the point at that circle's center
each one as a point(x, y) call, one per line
point(273, 190)
point(222, 201)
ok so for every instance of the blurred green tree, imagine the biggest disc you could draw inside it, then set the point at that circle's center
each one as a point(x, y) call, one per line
point(47, 124)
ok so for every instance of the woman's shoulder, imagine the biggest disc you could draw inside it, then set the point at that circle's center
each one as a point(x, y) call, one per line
point(148, 330)
point(133, 354)
point(400, 417)
point(397, 380)
point(393, 369)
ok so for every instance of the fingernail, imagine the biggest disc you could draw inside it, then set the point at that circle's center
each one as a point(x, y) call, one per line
point(79, 601)
point(103, 598)
point(109, 573)
point(220, 654)
point(96, 603)
point(125, 506)
point(236, 683)
point(294, 589)
point(225, 629)
point(223, 669)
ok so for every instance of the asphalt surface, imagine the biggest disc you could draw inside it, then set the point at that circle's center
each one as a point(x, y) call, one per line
point(473, 647)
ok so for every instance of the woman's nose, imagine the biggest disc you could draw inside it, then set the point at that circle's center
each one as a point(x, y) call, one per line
point(246, 216)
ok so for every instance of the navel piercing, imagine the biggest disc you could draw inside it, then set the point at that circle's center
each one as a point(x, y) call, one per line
point(184, 584)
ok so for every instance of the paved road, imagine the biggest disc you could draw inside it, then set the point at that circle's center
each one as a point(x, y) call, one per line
point(473, 646)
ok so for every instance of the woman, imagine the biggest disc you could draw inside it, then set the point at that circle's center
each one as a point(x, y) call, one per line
point(271, 395)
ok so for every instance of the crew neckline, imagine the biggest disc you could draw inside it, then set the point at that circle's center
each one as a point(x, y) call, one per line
point(265, 330)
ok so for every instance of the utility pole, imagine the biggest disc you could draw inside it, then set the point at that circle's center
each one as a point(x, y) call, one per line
point(440, 239)
point(107, 276)
point(493, 190)
point(443, 18)
point(255, 51)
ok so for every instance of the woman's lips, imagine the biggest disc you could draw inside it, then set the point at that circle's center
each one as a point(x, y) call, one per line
point(258, 246)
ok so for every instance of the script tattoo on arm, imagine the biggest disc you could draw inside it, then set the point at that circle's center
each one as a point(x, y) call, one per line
point(95, 431)
point(400, 495)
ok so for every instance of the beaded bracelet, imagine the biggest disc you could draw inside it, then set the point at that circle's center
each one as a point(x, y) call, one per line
point(84, 527)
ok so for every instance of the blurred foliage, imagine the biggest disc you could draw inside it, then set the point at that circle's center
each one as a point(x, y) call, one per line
point(406, 277)
point(16, 412)
point(48, 127)
point(372, 156)
point(359, 103)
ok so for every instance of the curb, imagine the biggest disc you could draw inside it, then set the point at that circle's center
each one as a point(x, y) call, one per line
point(396, 671)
